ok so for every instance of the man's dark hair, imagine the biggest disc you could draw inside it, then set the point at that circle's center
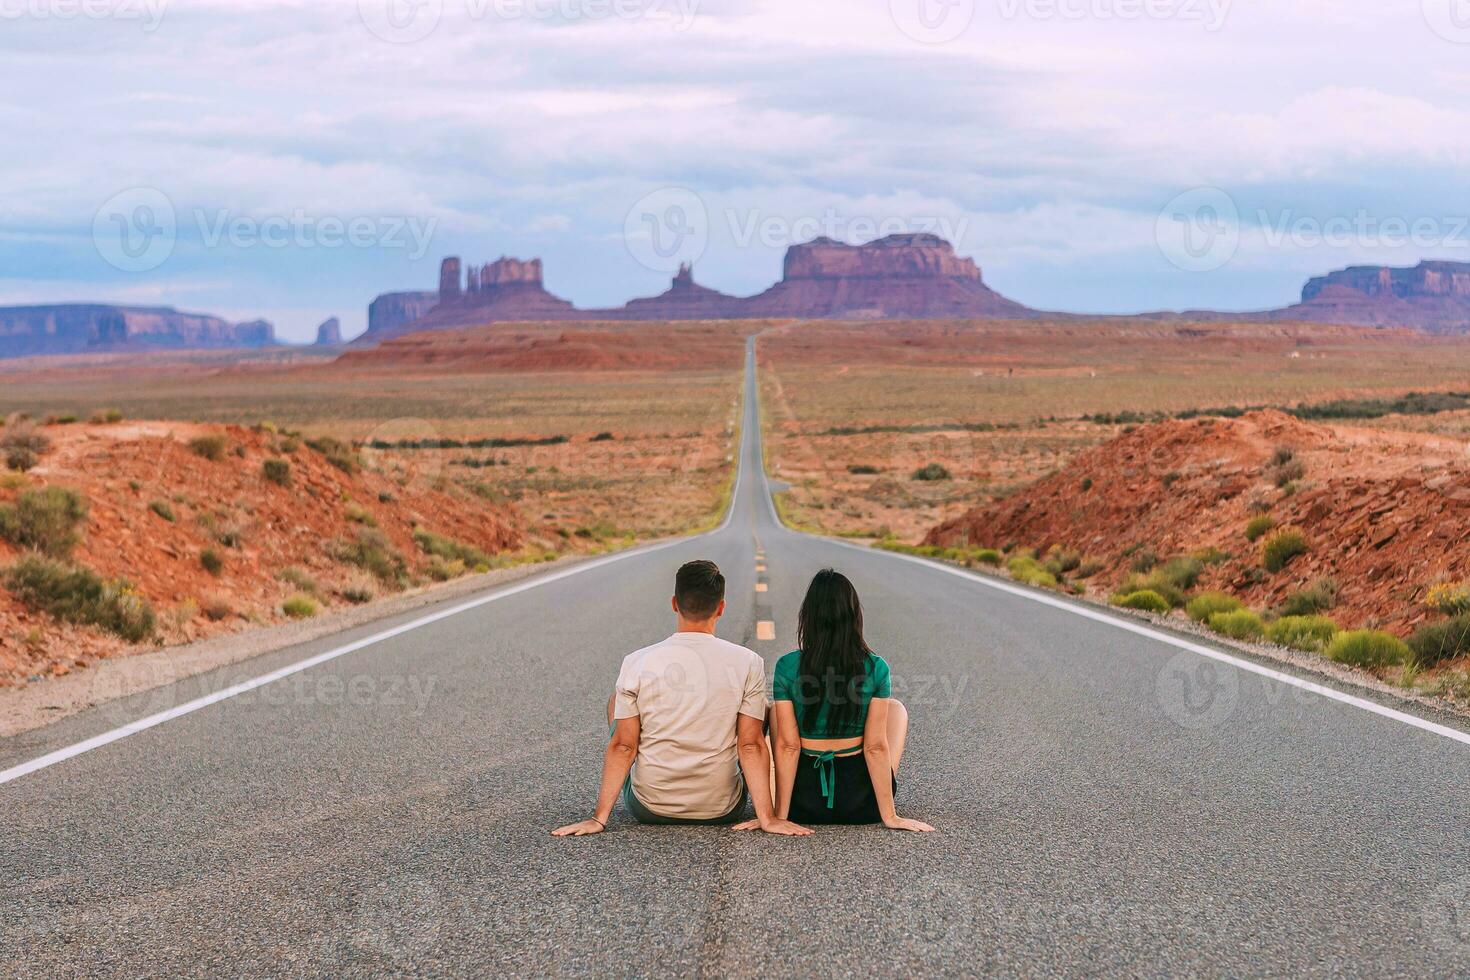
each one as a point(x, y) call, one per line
point(698, 589)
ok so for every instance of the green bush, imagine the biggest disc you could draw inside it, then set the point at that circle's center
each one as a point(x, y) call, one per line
point(337, 452)
point(300, 606)
point(1368, 648)
point(1060, 561)
point(1310, 633)
point(987, 556)
point(163, 510)
point(1435, 643)
point(602, 437)
point(1206, 604)
point(1281, 547)
point(1242, 624)
point(79, 595)
point(1146, 599)
point(1024, 568)
point(277, 471)
point(1179, 573)
point(931, 472)
point(357, 594)
point(1320, 596)
point(862, 469)
point(23, 443)
point(371, 550)
point(301, 580)
point(1256, 527)
point(209, 447)
point(449, 549)
point(48, 520)
point(358, 514)
point(211, 562)
point(1450, 598)
point(442, 570)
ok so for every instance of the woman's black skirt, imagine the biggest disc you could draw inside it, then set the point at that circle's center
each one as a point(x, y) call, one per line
point(834, 789)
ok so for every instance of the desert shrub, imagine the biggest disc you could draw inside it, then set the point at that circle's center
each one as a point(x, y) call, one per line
point(1060, 561)
point(276, 471)
point(602, 437)
point(1368, 648)
point(302, 581)
point(1434, 643)
point(357, 593)
point(1282, 456)
point(1281, 547)
point(1210, 555)
point(1320, 596)
point(931, 472)
point(1144, 599)
point(441, 570)
point(1207, 604)
point(337, 452)
point(1241, 624)
point(1141, 559)
point(1256, 527)
point(358, 514)
point(439, 546)
point(23, 443)
point(1088, 568)
point(1310, 633)
point(863, 469)
point(209, 447)
point(211, 562)
point(79, 595)
point(163, 509)
point(217, 608)
point(372, 551)
point(987, 556)
point(1449, 598)
point(48, 520)
point(300, 606)
point(106, 416)
point(1024, 568)
point(1180, 573)
point(1288, 473)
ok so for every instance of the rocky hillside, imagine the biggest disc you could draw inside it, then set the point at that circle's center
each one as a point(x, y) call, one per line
point(212, 528)
point(1383, 514)
point(72, 328)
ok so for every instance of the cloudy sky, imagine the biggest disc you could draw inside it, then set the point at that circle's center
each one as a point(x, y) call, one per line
point(292, 159)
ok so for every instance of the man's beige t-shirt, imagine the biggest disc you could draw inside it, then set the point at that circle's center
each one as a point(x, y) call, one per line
point(686, 693)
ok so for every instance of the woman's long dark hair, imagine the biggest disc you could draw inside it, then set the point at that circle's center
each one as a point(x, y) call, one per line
point(834, 655)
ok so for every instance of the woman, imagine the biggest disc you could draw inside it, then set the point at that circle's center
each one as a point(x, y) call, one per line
point(837, 731)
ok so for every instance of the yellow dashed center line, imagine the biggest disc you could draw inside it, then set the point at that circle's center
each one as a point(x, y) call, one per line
point(765, 630)
point(760, 586)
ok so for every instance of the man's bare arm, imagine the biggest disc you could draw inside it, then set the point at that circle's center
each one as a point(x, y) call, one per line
point(617, 761)
point(755, 762)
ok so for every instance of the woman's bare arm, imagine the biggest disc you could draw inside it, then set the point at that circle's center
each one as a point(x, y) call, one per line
point(786, 738)
point(880, 767)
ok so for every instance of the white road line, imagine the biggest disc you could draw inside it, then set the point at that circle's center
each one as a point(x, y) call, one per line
point(1141, 629)
point(189, 707)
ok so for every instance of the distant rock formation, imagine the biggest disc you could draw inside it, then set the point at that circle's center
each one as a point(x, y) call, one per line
point(390, 312)
point(900, 276)
point(1432, 296)
point(329, 334)
point(685, 299)
point(72, 328)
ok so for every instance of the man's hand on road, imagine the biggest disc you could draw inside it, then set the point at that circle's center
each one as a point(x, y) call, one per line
point(582, 829)
point(782, 828)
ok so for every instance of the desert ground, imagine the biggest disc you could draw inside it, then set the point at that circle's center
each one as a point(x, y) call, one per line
point(447, 457)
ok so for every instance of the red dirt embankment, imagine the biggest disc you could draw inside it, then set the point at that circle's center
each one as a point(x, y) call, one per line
point(1385, 513)
point(129, 472)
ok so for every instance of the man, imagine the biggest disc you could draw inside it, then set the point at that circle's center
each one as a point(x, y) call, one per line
point(688, 716)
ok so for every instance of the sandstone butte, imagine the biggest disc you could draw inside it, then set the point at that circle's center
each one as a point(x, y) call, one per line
point(1384, 512)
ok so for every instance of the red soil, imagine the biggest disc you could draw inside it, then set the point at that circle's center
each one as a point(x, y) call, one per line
point(121, 469)
point(1385, 513)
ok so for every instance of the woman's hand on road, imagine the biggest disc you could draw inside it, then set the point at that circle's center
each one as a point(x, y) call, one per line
point(781, 828)
point(904, 823)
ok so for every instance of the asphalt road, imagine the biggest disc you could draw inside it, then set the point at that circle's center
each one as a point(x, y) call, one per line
point(1107, 803)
